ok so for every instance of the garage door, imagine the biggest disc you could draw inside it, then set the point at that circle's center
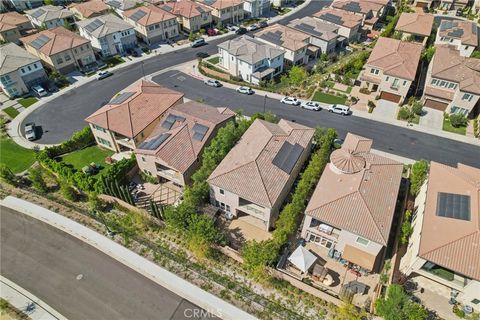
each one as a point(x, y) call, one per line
point(390, 97)
point(434, 104)
point(421, 4)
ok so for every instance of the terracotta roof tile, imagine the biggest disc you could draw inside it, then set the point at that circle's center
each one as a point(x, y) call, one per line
point(466, 31)
point(152, 15)
point(284, 37)
point(339, 17)
point(90, 8)
point(415, 23)
point(185, 8)
point(221, 4)
point(10, 20)
point(60, 39)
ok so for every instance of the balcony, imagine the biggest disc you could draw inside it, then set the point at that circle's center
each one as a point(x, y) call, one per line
point(253, 210)
point(171, 175)
point(126, 142)
point(395, 86)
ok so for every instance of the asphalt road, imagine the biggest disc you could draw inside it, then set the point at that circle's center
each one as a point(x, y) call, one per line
point(47, 262)
point(389, 138)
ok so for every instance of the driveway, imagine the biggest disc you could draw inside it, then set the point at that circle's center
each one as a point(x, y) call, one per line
point(386, 109)
point(432, 118)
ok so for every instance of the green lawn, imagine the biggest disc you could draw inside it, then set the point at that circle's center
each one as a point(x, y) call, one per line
point(14, 156)
point(84, 157)
point(214, 60)
point(113, 61)
point(448, 127)
point(328, 98)
point(27, 102)
point(11, 111)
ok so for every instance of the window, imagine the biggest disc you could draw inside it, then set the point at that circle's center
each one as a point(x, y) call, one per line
point(404, 83)
point(104, 142)
point(459, 110)
point(475, 301)
point(222, 205)
point(228, 208)
point(443, 83)
point(147, 172)
point(67, 57)
point(222, 191)
point(467, 96)
point(217, 204)
point(59, 60)
point(23, 70)
point(434, 82)
point(143, 159)
point(452, 85)
point(362, 241)
point(374, 71)
point(387, 78)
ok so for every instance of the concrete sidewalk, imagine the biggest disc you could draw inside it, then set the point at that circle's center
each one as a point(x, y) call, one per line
point(26, 302)
point(166, 279)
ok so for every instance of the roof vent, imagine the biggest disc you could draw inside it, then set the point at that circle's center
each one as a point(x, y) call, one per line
point(347, 161)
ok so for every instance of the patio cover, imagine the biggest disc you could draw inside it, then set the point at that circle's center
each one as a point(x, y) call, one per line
point(359, 257)
point(302, 258)
point(262, 72)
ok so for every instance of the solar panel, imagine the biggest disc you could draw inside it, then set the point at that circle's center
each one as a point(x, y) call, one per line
point(40, 41)
point(121, 97)
point(455, 206)
point(271, 37)
point(457, 33)
point(209, 2)
point(199, 131)
point(167, 8)
point(154, 143)
point(308, 29)
point(352, 6)
point(114, 4)
point(94, 25)
point(287, 156)
point(37, 13)
point(198, 136)
point(138, 15)
point(332, 18)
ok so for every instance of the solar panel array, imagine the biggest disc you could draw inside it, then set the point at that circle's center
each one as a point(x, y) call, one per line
point(288, 156)
point(40, 41)
point(273, 37)
point(199, 131)
point(167, 8)
point(94, 25)
point(308, 29)
point(121, 97)
point(455, 206)
point(332, 18)
point(138, 15)
point(457, 33)
point(114, 4)
point(170, 120)
point(154, 143)
point(352, 6)
point(209, 2)
point(37, 13)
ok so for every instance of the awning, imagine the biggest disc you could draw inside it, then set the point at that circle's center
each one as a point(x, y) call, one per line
point(359, 257)
point(262, 73)
point(371, 21)
point(302, 258)
point(312, 49)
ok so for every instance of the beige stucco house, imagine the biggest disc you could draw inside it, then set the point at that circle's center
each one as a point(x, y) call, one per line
point(225, 11)
point(192, 16)
point(348, 23)
point(50, 17)
point(89, 9)
point(460, 34)
point(369, 10)
point(12, 26)
point(415, 26)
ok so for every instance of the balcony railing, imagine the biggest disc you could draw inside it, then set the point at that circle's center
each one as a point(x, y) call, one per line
point(127, 142)
point(331, 235)
point(254, 210)
point(395, 87)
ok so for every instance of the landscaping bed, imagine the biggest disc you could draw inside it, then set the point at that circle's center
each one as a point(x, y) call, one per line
point(447, 126)
point(113, 61)
point(214, 60)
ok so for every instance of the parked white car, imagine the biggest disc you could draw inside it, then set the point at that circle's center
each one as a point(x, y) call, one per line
point(253, 27)
point(104, 74)
point(39, 91)
point(212, 83)
point(339, 109)
point(245, 90)
point(30, 131)
point(311, 105)
point(290, 100)
point(231, 27)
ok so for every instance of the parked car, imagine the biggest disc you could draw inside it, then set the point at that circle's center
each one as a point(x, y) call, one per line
point(245, 90)
point(30, 131)
point(211, 32)
point(198, 43)
point(263, 24)
point(39, 91)
point(459, 12)
point(253, 27)
point(202, 55)
point(290, 100)
point(339, 109)
point(104, 74)
point(212, 83)
point(231, 27)
point(241, 30)
point(133, 52)
point(311, 105)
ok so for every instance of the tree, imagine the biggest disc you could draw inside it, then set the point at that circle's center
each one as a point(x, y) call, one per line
point(297, 75)
point(418, 176)
point(6, 175)
point(406, 229)
point(428, 54)
point(219, 25)
point(404, 113)
point(458, 120)
point(36, 178)
point(257, 255)
point(67, 191)
point(192, 36)
point(348, 311)
point(95, 203)
point(417, 108)
point(397, 306)
point(201, 235)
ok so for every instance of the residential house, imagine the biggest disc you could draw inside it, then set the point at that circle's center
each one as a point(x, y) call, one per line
point(251, 60)
point(22, 5)
point(352, 209)
point(461, 34)
point(452, 83)
point(121, 5)
point(109, 34)
point(348, 23)
point(443, 252)
point(476, 7)
point(427, 4)
point(19, 70)
point(152, 24)
point(415, 26)
point(60, 49)
point(12, 26)
point(324, 36)
point(132, 115)
point(256, 8)
point(370, 11)
point(191, 16)
point(293, 42)
point(452, 4)
point(391, 68)
point(173, 150)
point(254, 179)
point(51, 17)
point(282, 3)
point(225, 11)
point(89, 9)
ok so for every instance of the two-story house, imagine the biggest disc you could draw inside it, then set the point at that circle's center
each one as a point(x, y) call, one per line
point(415, 26)
point(60, 49)
point(89, 9)
point(108, 34)
point(51, 17)
point(253, 180)
point(225, 11)
point(120, 6)
point(293, 42)
point(192, 16)
point(391, 68)
point(19, 70)
point(132, 115)
point(370, 11)
point(173, 150)
point(256, 8)
point(250, 59)
point(152, 24)
point(453, 83)
point(348, 23)
point(12, 26)
point(22, 5)
point(351, 212)
point(463, 35)
point(443, 253)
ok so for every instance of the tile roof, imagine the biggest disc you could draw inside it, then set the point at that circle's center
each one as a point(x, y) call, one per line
point(339, 17)
point(284, 37)
point(49, 12)
point(315, 27)
point(180, 150)
point(396, 58)
point(13, 57)
point(221, 4)
point(59, 39)
point(248, 168)
point(466, 31)
point(151, 15)
point(449, 242)
point(185, 8)
point(10, 20)
point(90, 8)
point(250, 50)
point(104, 25)
point(145, 102)
point(357, 6)
point(447, 64)
point(358, 191)
point(121, 4)
point(415, 23)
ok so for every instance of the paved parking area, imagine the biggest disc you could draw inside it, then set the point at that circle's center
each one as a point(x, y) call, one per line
point(386, 109)
point(432, 118)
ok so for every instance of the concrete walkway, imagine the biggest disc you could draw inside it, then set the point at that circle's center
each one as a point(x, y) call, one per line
point(26, 302)
point(143, 266)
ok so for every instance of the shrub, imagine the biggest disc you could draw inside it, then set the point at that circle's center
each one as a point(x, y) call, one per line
point(406, 229)
point(67, 191)
point(458, 120)
point(95, 203)
point(6, 175)
point(417, 108)
point(404, 113)
point(364, 90)
point(371, 104)
point(417, 176)
point(37, 180)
